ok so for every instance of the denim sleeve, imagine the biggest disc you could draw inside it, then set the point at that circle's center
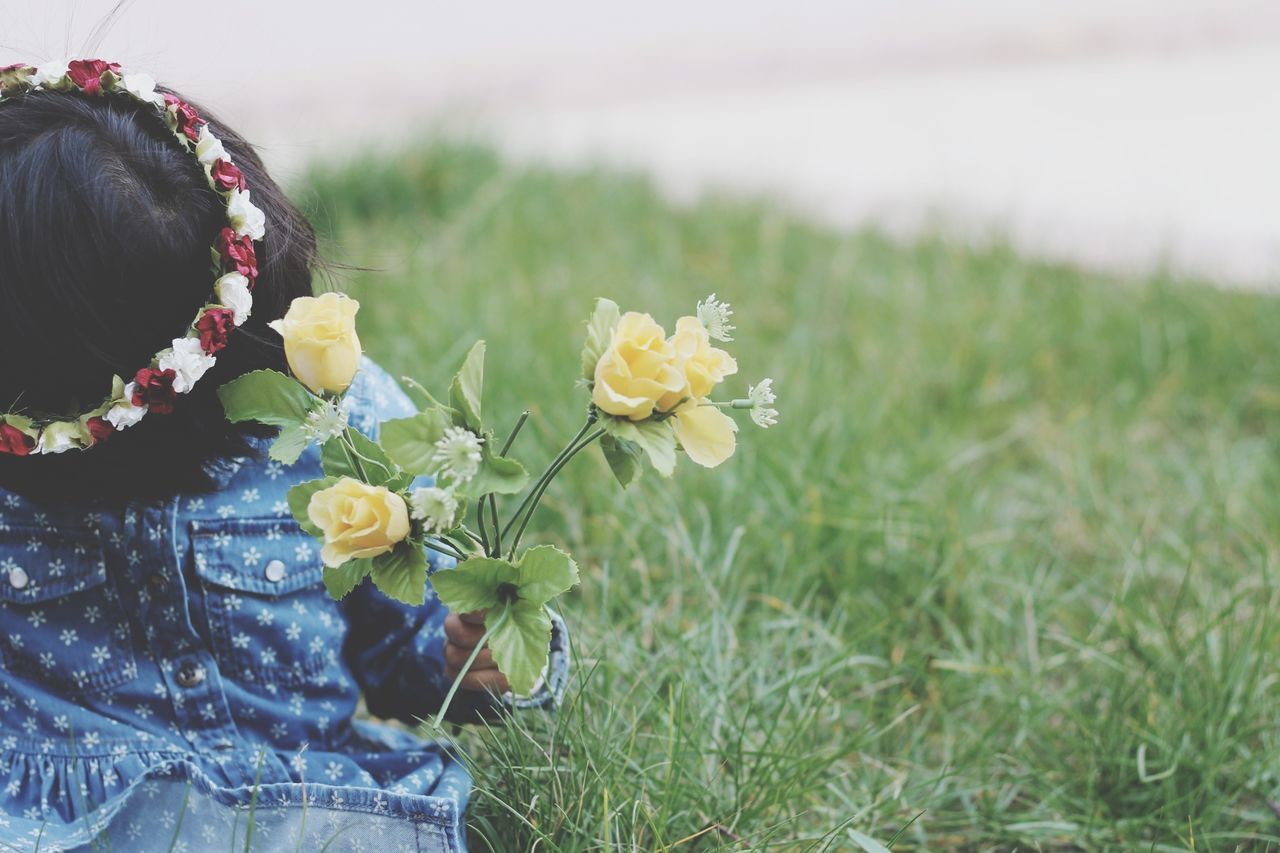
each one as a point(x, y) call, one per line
point(396, 650)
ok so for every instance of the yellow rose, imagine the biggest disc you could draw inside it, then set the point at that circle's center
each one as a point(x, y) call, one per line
point(704, 366)
point(320, 341)
point(707, 434)
point(636, 370)
point(357, 520)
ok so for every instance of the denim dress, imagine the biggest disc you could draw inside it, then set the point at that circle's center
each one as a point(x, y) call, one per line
point(173, 673)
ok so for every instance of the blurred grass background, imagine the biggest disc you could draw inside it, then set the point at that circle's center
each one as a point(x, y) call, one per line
point(1003, 576)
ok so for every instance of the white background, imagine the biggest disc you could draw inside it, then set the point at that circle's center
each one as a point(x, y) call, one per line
point(1126, 135)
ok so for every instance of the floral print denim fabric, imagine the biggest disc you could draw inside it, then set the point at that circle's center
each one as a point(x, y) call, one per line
point(167, 666)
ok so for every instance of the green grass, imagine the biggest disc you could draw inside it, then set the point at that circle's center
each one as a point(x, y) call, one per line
point(1003, 576)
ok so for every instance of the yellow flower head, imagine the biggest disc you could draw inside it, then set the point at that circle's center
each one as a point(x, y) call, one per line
point(704, 366)
point(320, 341)
point(638, 369)
point(357, 520)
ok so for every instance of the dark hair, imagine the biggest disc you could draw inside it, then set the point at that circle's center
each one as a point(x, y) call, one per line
point(106, 229)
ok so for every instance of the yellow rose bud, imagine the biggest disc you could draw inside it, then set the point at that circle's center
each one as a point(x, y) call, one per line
point(320, 341)
point(704, 366)
point(637, 369)
point(357, 520)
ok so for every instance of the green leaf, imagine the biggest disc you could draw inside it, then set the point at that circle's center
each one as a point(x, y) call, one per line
point(409, 442)
point(498, 474)
point(599, 335)
point(300, 496)
point(655, 438)
point(399, 482)
point(402, 573)
point(464, 394)
point(334, 457)
point(268, 397)
point(545, 572)
point(289, 445)
point(340, 581)
point(474, 584)
point(624, 458)
point(521, 645)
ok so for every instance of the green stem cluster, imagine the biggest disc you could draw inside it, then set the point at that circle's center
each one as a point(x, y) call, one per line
point(493, 547)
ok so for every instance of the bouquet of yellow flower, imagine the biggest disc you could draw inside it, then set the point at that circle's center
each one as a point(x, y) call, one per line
point(382, 504)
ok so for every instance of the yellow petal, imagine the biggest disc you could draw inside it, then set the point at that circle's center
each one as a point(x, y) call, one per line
point(706, 434)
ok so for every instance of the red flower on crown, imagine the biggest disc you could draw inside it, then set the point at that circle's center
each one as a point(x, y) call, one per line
point(87, 73)
point(99, 429)
point(14, 441)
point(227, 176)
point(189, 121)
point(154, 389)
point(215, 327)
point(237, 253)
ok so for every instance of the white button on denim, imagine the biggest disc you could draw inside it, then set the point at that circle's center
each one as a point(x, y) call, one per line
point(275, 571)
point(18, 578)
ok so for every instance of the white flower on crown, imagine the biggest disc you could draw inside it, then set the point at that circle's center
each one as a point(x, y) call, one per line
point(209, 148)
point(51, 75)
point(59, 437)
point(142, 87)
point(188, 360)
point(125, 414)
point(233, 292)
point(247, 219)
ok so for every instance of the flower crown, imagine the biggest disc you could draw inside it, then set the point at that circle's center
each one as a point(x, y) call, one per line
point(175, 369)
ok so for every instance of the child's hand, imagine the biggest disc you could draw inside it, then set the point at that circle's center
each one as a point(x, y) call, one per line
point(462, 632)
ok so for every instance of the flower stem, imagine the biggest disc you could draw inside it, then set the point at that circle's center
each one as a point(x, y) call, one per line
point(489, 630)
point(591, 418)
point(348, 448)
point(497, 534)
point(515, 430)
point(444, 548)
point(484, 534)
point(351, 446)
point(493, 501)
point(732, 404)
point(546, 481)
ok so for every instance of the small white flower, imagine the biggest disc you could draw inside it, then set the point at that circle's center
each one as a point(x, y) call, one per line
point(58, 437)
point(125, 414)
point(209, 148)
point(247, 219)
point(51, 75)
point(233, 292)
point(326, 422)
point(188, 360)
point(435, 507)
point(762, 397)
point(457, 454)
point(715, 316)
point(142, 87)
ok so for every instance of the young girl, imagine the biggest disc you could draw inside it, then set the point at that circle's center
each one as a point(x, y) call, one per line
point(169, 658)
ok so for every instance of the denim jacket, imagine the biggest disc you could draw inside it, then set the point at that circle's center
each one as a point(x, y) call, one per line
point(168, 666)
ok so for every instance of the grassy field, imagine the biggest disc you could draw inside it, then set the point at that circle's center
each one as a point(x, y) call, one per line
point(1003, 576)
